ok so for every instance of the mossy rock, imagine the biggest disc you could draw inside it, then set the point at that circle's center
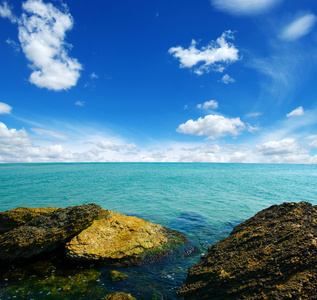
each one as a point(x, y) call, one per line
point(117, 276)
point(121, 240)
point(14, 218)
point(119, 296)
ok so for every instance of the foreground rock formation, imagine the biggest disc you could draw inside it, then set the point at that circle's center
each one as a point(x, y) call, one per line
point(20, 216)
point(46, 232)
point(119, 240)
point(91, 233)
point(270, 256)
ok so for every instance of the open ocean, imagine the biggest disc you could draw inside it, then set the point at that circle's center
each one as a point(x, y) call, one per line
point(203, 201)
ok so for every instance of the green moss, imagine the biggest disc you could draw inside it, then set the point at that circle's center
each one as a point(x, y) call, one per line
point(116, 276)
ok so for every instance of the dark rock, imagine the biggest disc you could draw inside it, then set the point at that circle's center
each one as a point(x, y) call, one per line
point(270, 256)
point(47, 232)
point(20, 216)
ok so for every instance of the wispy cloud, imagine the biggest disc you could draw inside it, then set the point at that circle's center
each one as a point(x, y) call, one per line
point(215, 56)
point(93, 75)
point(80, 103)
point(108, 145)
point(253, 114)
point(213, 126)
point(52, 133)
point(5, 12)
point(299, 111)
point(244, 7)
point(5, 108)
point(298, 28)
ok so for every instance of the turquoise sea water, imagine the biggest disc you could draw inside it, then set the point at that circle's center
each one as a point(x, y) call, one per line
point(203, 201)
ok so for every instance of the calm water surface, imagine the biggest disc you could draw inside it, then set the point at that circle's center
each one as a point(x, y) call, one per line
point(203, 201)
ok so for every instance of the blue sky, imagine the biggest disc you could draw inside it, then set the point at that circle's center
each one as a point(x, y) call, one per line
point(158, 81)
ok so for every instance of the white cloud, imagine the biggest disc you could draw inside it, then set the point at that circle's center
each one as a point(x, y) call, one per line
point(298, 28)
point(108, 145)
point(244, 7)
point(208, 104)
point(299, 111)
point(253, 114)
point(226, 79)
point(213, 126)
point(215, 56)
point(52, 133)
point(15, 46)
point(313, 144)
point(5, 12)
point(253, 128)
point(93, 76)
point(80, 103)
point(5, 108)
point(282, 147)
point(42, 29)
point(12, 137)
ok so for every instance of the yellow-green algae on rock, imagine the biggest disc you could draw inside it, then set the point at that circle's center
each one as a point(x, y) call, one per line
point(119, 296)
point(118, 239)
point(19, 216)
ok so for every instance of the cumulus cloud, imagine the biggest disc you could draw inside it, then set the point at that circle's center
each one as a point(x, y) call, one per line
point(108, 145)
point(208, 104)
point(213, 126)
point(215, 56)
point(298, 28)
point(52, 133)
point(226, 79)
point(5, 12)
point(299, 111)
point(5, 108)
point(42, 29)
point(244, 7)
point(282, 147)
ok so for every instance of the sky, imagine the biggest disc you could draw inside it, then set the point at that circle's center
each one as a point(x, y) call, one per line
point(229, 81)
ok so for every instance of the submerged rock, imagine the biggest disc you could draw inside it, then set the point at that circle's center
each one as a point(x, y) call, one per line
point(20, 216)
point(270, 256)
point(117, 276)
point(47, 232)
point(120, 240)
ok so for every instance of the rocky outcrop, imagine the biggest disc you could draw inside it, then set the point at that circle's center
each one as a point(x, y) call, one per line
point(119, 296)
point(120, 240)
point(270, 256)
point(20, 216)
point(46, 232)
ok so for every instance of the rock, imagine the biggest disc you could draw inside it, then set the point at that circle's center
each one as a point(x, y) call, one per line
point(270, 256)
point(47, 232)
point(119, 296)
point(121, 240)
point(20, 216)
point(117, 276)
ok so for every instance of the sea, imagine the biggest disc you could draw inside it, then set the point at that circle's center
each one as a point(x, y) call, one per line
point(204, 201)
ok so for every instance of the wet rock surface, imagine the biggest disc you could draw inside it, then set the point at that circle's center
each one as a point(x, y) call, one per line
point(118, 296)
point(46, 232)
point(20, 216)
point(270, 256)
point(121, 240)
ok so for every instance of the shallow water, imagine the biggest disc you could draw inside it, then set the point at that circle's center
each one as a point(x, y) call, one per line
point(203, 201)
